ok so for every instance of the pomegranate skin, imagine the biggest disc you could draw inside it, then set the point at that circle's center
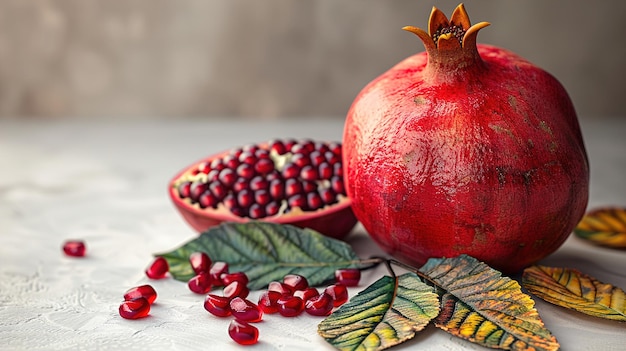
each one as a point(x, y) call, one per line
point(465, 150)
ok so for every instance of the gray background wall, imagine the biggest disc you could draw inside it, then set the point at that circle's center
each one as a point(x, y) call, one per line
point(140, 59)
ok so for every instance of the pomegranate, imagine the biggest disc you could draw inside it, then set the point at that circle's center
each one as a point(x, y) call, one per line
point(298, 182)
point(465, 148)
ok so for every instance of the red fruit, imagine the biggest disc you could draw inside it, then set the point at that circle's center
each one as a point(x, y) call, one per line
point(218, 269)
point(320, 305)
point(306, 294)
point(338, 292)
point(243, 333)
point(245, 310)
point(280, 288)
point(158, 268)
point(200, 283)
point(254, 183)
point(228, 278)
point(74, 248)
point(135, 308)
point(465, 149)
point(218, 306)
point(296, 281)
point(200, 262)
point(348, 276)
point(290, 306)
point(145, 291)
point(268, 301)
point(236, 289)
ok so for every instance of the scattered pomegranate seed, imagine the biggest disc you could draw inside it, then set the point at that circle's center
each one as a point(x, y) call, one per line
point(268, 301)
point(200, 283)
point(158, 268)
point(218, 306)
point(290, 306)
point(348, 276)
point(338, 292)
point(245, 310)
point(200, 262)
point(296, 281)
point(145, 291)
point(218, 269)
point(228, 278)
point(236, 289)
point(135, 308)
point(243, 333)
point(320, 305)
point(307, 293)
point(280, 288)
point(74, 248)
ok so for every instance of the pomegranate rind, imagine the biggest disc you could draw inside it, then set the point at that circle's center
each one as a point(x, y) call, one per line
point(336, 221)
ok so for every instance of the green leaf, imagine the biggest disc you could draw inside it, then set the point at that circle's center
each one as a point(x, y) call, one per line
point(577, 291)
point(480, 305)
point(604, 226)
point(266, 252)
point(385, 314)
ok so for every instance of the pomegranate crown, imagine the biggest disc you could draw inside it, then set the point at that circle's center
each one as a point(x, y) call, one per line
point(449, 39)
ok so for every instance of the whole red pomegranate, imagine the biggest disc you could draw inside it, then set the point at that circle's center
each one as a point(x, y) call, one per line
point(465, 148)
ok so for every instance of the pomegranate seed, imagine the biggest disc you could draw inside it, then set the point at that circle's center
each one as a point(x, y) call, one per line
point(200, 283)
point(338, 169)
point(135, 308)
point(278, 147)
point(262, 197)
point(337, 184)
point(264, 166)
point(259, 183)
point(290, 306)
point(306, 294)
point(320, 305)
point(252, 148)
point(243, 333)
point(208, 200)
point(158, 268)
point(74, 248)
point(321, 147)
point(236, 289)
point(228, 278)
point(214, 175)
point(317, 158)
point(338, 292)
point(262, 154)
point(245, 198)
point(309, 186)
point(245, 310)
point(325, 170)
point(309, 173)
point(218, 189)
point(145, 291)
point(218, 306)
point(247, 157)
point(184, 190)
point(218, 269)
point(328, 196)
point(246, 171)
point(272, 209)
point(281, 288)
point(289, 144)
point(227, 176)
point(240, 185)
point(277, 189)
point(301, 160)
point(197, 189)
point(297, 200)
point(204, 168)
point(290, 170)
point(256, 211)
point(314, 201)
point(295, 281)
point(335, 148)
point(200, 262)
point(293, 187)
point(348, 276)
point(217, 164)
point(268, 301)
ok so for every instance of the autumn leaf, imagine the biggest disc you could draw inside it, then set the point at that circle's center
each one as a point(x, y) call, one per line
point(265, 252)
point(605, 227)
point(574, 290)
point(480, 305)
point(388, 312)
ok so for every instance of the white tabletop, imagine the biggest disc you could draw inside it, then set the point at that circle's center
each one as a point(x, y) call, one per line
point(106, 183)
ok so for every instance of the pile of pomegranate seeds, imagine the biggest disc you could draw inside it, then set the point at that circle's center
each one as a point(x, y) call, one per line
point(263, 181)
point(289, 298)
point(74, 248)
point(137, 302)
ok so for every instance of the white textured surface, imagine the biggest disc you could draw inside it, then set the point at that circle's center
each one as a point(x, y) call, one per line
point(106, 184)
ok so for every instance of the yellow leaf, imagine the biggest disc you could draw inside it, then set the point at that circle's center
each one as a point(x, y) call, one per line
point(606, 227)
point(480, 305)
point(574, 290)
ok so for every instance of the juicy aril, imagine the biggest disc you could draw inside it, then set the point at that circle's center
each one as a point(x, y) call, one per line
point(465, 148)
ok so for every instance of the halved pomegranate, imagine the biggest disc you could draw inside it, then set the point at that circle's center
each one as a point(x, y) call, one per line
point(297, 182)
